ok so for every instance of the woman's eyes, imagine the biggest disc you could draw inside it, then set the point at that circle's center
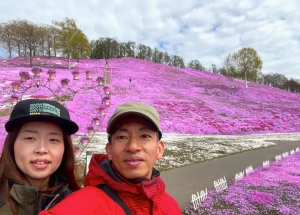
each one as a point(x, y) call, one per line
point(50, 140)
point(54, 140)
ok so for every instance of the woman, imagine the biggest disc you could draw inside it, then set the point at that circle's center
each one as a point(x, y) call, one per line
point(37, 162)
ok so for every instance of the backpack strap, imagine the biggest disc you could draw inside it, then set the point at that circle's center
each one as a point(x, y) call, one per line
point(114, 196)
point(2, 202)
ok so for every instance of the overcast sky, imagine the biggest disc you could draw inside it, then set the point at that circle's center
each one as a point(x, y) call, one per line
point(206, 30)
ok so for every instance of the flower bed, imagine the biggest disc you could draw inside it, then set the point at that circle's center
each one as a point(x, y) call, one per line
point(189, 101)
point(271, 190)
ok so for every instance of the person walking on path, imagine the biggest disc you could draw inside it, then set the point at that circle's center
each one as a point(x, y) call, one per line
point(37, 162)
point(124, 180)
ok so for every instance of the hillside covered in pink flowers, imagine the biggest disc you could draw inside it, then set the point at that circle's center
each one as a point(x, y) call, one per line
point(189, 101)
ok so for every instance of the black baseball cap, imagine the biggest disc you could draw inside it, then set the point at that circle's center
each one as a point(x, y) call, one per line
point(31, 110)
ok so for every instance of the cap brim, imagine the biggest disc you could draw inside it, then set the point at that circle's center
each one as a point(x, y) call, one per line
point(120, 116)
point(66, 125)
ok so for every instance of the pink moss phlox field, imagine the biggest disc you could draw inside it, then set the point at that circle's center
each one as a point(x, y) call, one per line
point(189, 101)
point(271, 190)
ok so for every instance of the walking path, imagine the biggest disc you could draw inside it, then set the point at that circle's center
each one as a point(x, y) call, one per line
point(182, 182)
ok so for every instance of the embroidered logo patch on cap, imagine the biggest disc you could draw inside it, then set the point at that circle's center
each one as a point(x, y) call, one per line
point(43, 108)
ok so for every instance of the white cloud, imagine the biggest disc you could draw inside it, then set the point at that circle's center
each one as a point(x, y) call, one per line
point(204, 30)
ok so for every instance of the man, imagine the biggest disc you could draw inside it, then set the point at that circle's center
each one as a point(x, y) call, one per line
point(124, 181)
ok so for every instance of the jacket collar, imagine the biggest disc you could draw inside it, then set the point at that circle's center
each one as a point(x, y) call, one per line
point(28, 196)
point(101, 171)
point(23, 194)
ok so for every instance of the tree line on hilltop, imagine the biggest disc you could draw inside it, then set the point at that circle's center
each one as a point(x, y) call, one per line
point(64, 38)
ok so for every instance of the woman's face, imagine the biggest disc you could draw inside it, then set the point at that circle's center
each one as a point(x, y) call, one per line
point(39, 150)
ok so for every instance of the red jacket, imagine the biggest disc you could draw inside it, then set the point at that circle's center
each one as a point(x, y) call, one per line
point(141, 197)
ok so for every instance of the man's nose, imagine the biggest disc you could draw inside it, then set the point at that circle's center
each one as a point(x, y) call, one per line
point(134, 144)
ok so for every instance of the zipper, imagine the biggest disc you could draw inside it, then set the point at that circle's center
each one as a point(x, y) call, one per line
point(152, 206)
point(36, 205)
point(49, 205)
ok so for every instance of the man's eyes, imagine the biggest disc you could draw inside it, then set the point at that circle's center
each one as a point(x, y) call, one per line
point(146, 136)
point(143, 136)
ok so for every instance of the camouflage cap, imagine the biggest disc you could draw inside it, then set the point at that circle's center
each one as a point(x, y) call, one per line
point(139, 109)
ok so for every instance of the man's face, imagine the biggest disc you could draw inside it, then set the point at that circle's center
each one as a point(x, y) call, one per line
point(134, 148)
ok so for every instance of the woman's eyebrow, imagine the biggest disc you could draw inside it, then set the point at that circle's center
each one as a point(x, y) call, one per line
point(30, 131)
point(36, 132)
point(55, 133)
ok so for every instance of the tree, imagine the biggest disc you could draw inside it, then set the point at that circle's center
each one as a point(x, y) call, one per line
point(18, 29)
point(20, 35)
point(166, 58)
point(122, 50)
point(115, 48)
point(214, 68)
point(130, 49)
point(223, 71)
point(155, 56)
point(293, 85)
point(195, 64)
point(41, 48)
point(141, 51)
point(149, 54)
point(228, 67)
point(50, 40)
point(98, 48)
point(160, 57)
point(279, 80)
point(268, 79)
point(106, 48)
point(6, 36)
point(81, 46)
point(260, 78)
point(33, 36)
point(67, 31)
point(244, 63)
point(177, 61)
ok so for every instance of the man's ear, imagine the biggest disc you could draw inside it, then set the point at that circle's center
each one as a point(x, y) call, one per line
point(108, 150)
point(160, 149)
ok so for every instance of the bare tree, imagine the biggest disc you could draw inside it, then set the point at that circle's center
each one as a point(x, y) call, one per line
point(19, 36)
point(6, 36)
point(50, 40)
point(33, 37)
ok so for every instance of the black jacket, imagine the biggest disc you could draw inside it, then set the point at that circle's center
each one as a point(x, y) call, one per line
point(30, 201)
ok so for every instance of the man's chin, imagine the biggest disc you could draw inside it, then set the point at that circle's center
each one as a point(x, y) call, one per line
point(133, 176)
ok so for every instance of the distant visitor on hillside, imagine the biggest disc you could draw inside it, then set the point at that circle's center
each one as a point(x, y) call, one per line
point(130, 79)
point(37, 162)
point(124, 180)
